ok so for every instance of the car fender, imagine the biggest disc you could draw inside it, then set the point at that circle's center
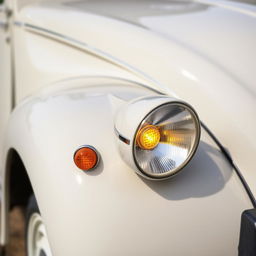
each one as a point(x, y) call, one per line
point(111, 210)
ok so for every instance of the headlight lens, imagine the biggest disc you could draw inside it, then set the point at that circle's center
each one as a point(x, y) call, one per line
point(166, 140)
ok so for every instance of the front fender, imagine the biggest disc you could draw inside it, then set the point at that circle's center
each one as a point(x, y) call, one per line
point(112, 210)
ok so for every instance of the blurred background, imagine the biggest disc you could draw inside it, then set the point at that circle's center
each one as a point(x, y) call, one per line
point(16, 246)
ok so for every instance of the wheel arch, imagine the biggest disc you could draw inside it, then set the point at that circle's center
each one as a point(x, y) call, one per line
point(19, 185)
point(16, 188)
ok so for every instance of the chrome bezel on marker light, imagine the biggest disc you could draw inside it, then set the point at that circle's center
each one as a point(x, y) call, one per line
point(160, 159)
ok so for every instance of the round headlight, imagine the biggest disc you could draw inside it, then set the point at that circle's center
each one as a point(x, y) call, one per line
point(166, 140)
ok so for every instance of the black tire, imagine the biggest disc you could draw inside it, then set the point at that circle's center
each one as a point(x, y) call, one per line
point(33, 222)
point(32, 208)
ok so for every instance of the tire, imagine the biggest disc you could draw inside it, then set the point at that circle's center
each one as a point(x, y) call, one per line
point(36, 238)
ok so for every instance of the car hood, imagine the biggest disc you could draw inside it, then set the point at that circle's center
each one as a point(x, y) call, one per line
point(200, 51)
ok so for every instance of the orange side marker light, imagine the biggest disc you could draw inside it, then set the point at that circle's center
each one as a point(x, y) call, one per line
point(86, 158)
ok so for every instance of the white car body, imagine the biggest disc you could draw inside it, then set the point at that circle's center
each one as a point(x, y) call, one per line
point(68, 66)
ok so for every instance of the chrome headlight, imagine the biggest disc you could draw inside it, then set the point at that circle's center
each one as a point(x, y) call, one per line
point(166, 140)
point(161, 135)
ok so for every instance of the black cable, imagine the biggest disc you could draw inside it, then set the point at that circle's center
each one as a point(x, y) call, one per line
point(227, 155)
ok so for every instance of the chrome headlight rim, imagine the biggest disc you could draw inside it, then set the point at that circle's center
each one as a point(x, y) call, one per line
point(178, 169)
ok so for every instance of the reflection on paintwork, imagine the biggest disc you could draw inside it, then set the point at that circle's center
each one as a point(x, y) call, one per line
point(121, 9)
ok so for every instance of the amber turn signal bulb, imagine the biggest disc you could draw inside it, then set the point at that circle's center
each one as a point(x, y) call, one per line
point(148, 137)
point(86, 158)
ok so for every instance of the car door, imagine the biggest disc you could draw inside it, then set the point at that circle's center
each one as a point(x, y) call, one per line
point(5, 71)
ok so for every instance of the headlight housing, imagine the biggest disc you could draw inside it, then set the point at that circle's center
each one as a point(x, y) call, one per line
point(159, 135)
point(166, 140)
